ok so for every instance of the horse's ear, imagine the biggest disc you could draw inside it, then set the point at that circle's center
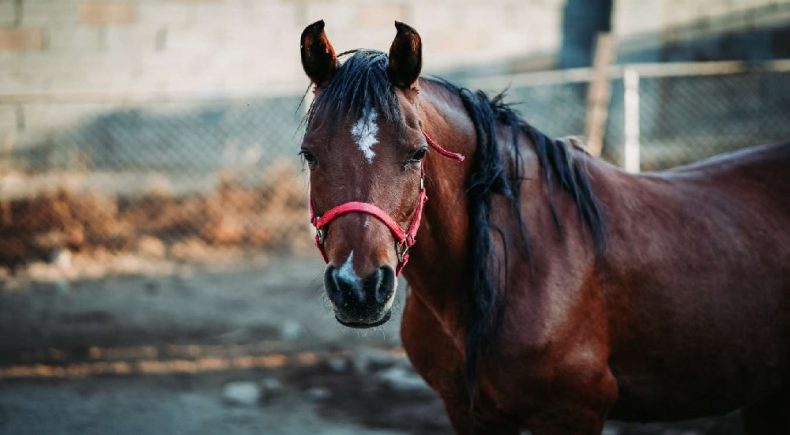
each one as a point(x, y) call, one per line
point(318, 57)
point(405, 60)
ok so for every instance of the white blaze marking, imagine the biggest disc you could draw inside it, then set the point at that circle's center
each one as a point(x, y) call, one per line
point(364, 131)
point(346, 271)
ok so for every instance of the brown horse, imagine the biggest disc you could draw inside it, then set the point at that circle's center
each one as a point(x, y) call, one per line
point(549, 289)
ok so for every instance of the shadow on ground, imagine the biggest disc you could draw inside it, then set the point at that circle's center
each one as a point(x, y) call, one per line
point(250, 349)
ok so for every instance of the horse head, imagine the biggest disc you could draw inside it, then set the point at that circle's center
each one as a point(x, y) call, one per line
point(364, 147)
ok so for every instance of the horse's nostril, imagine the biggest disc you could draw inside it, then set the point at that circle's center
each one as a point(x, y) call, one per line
point(373, 282)
point(342, 289)
point(382, 283)
point(332, 286)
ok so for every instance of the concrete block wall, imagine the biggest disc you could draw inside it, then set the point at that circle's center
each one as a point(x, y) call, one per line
point(251, 46)
point(698, 30)
point(635, 17)
point(216, 45)
point(220, 47)
point(50, 46)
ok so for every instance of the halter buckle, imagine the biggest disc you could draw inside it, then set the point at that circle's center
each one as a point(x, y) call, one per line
point(320, 234)
point(401, 249)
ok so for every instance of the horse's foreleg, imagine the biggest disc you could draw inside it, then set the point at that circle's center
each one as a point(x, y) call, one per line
point(576, 404)
point(567, 417)
point(465, 423)
point(566, 421)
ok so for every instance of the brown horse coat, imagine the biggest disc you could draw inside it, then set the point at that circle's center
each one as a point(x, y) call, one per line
point(685, 312)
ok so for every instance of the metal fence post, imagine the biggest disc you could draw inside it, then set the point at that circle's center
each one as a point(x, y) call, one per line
point(631, 118)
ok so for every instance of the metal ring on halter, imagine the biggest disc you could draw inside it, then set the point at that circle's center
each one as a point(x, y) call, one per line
point(401, 249)
point(321, 234)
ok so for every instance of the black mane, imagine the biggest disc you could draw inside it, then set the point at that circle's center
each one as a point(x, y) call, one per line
point(362, 84)
point(483, 300)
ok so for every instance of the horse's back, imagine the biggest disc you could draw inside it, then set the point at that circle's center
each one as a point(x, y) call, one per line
point(770, 163)
point(745, 189)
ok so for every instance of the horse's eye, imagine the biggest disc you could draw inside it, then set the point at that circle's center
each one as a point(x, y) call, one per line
point(417, 155)
point(308, 157)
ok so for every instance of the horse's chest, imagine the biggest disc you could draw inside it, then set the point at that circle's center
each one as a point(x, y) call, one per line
point(512, 387)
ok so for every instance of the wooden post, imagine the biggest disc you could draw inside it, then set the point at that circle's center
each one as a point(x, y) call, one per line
point(599, 94)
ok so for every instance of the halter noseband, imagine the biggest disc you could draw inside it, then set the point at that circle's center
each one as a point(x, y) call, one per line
point(404, 240)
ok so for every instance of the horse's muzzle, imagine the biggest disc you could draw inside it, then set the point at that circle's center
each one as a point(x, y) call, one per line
point(361, 302)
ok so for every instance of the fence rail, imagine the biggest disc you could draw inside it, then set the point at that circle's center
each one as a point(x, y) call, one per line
point(684, 111)
point(653, 70)
point(187, 171)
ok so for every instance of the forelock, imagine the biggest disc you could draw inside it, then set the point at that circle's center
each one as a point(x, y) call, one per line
point(359, 86)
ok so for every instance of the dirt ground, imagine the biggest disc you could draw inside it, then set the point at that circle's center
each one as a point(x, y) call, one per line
point(244, 348)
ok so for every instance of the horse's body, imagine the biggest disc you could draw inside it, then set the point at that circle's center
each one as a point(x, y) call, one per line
point(684, 311)
point(705, 252)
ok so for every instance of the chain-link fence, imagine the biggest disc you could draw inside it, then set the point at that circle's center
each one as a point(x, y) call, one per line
point(166, 178)
point(176, 178)
point(686, 112)
point(685, 118)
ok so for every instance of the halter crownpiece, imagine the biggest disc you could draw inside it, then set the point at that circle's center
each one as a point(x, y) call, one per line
point(404, 239)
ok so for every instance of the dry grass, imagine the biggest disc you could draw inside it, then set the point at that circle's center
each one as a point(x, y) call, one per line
point(267, 214)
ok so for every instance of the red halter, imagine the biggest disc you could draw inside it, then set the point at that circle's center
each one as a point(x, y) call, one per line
point(404, 240)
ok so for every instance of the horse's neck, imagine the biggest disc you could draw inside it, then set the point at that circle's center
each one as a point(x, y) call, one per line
point(440, 264)
point(439, 261)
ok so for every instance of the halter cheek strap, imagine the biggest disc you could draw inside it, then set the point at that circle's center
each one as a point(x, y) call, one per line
point(404, 239)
